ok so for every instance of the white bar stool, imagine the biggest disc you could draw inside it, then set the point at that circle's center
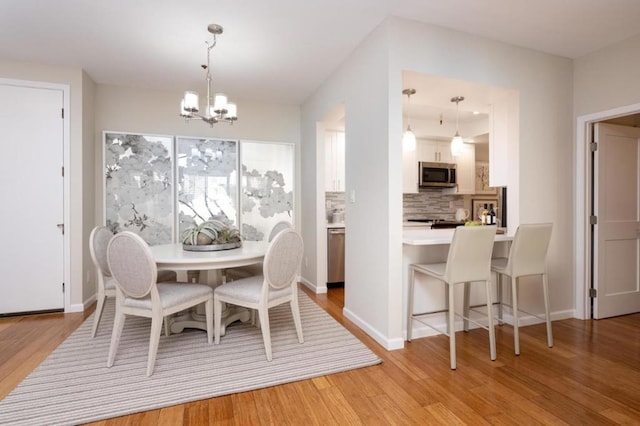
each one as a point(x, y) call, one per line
point(527, 256)
point(469, 259)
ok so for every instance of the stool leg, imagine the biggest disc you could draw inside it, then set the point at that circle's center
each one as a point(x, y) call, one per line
point(452, 328)
point(500, 310)
point(465, 302)
point(545, 288)
point(446, 304)
point(410, 304)
point(514, 301)
point(492, 331)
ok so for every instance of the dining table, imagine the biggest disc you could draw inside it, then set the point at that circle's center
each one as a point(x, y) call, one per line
point(211, 265)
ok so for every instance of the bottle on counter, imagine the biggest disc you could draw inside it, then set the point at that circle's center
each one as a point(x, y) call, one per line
point(485, 215)
point(492, 215)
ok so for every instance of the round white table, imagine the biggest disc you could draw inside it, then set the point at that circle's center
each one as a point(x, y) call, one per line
point(210, 263)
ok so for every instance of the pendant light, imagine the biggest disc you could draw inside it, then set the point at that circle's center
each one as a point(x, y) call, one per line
point(456, 143)
point(408, 137)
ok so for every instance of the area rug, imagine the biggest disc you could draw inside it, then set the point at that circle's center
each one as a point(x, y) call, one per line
point(73, 385)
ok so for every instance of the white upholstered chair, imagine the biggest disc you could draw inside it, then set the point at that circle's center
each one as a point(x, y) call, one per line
point(469, 260)
point(527, 256)
point(98, 242)
point(137, 292)
point(277, 285)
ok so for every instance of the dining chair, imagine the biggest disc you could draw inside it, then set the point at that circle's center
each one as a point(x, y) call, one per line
point(232, 274)
point(98, 242)
point(468, 260)
point(527, 257)
point(276, 285)
point(137, 292)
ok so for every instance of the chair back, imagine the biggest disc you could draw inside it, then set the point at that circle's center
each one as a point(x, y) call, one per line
point(132, 264)
point(469, 256)
point(528, 253)
point(98, 242)
point(278, 227)
point(283, 259)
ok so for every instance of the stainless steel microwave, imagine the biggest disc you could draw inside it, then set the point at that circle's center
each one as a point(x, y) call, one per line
point(437, 175)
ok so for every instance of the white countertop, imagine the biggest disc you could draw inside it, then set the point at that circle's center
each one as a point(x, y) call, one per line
point(426, 237)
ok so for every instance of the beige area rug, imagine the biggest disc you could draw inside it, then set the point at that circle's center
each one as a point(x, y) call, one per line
point(73, 385)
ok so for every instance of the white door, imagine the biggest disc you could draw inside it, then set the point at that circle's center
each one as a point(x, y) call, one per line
point(617, 233)
point(31, 193)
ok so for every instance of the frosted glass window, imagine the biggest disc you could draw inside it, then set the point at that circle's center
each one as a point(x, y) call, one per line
point(138, 185)
point(267, 185)
point(207, 181)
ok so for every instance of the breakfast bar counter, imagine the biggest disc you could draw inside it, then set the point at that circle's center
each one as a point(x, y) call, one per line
point(432, 246)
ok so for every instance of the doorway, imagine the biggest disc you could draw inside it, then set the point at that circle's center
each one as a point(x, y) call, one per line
point(604, 286)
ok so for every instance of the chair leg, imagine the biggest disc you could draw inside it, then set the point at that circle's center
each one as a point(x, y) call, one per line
point(516, 323)
point(410, 304)
point(263, 313)
point(295, 311)
point(492, 331)
point(208, 307)
point(154, 340)
point(118, 325)
point(545, 288)
point(217, 319)
point(98, 314)
point(167, 325)
point(446, 304)
point(452, 328)
point(499, 288)
point(465, 309)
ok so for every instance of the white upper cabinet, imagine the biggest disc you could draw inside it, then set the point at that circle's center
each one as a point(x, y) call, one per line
point(334, 161)
point(465, 171)
point(434, 151)
point(503, 138)
point(409, 171)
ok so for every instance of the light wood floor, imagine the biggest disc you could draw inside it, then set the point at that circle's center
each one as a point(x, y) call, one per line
point(591, 376)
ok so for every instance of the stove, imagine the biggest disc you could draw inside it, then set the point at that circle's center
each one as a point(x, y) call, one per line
point(438, 223)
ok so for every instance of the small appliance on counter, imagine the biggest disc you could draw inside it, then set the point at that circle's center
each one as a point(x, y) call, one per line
point(337, 216)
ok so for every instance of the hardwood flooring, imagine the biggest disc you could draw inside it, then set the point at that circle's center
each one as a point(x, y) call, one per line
point(590, 377)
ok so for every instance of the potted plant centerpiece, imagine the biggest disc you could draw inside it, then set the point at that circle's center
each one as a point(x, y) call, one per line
point(211, 235)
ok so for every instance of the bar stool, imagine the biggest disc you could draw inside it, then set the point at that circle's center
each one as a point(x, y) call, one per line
point(527, 256)
point(469, 259)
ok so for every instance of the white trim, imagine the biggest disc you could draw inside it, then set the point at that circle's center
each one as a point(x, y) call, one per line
point(388, 344)
point(316, 289)
point(66, 181)
point(581, 210)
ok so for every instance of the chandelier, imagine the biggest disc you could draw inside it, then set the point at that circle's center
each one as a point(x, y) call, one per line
point(457, 143)
point(221, 110)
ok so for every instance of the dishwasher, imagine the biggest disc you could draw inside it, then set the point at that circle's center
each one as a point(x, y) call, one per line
point(335, 256)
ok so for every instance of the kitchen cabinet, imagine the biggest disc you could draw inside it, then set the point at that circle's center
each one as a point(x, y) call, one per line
point(334, 161)
point(434, 151)
point(409, 171)
point(465, 171)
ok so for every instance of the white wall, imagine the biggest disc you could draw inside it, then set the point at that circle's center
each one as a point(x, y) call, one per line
point(608, 78)
point(371, 83)
point(80, 197)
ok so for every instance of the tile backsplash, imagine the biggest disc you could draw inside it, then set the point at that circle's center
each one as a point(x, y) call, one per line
point(431, 203)
point(333, 200)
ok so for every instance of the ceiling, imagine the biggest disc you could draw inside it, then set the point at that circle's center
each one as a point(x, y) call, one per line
point(280, 50)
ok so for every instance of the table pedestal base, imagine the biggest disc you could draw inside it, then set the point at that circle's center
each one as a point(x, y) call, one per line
point(197, 319)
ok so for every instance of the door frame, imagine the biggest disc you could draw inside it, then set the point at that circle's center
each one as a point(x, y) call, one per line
point(582, 205)
point(66, 188)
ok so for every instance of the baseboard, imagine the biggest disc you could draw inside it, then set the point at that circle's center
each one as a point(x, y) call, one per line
point(388, 344)
point(316, 289)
